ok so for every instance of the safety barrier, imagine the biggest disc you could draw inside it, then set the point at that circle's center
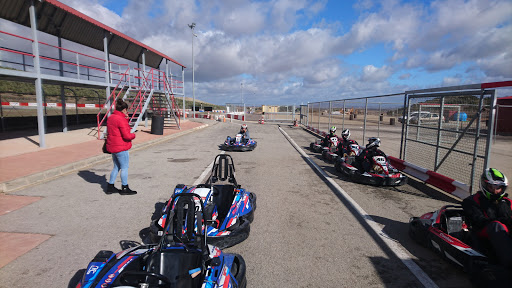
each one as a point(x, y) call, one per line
point(435, 179)
point(236, 117)
point(33, 104)
point(442, 182)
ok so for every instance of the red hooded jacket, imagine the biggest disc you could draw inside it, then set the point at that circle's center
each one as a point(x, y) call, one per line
point(119, 137)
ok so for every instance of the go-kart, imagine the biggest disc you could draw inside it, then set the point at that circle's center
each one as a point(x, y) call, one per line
point(182, 258)
point(229, 209)
point(238, 143)
point(381, 173)
point(319, 148)
point(330, 153)
point(446, 232)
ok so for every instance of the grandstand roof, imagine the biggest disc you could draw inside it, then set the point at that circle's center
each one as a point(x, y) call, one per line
point(75, 26)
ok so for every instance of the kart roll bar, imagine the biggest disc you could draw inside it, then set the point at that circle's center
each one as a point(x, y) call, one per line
point(177, 214)
point(223, 169)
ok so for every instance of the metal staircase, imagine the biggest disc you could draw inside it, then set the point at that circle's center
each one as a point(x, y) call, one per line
point(154, 95)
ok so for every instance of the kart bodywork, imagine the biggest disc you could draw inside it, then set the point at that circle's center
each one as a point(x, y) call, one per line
point(229, 209)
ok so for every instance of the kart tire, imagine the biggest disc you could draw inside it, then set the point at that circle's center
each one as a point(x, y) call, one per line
point(153, 232)
point(236, 236)
point(239, 270)
point(252, 197)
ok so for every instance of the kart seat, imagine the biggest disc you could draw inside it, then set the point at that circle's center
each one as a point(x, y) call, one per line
point(223, 196)
point(452, 222)
point(177, 265)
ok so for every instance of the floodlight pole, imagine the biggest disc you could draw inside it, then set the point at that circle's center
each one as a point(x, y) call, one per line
point(192, 26)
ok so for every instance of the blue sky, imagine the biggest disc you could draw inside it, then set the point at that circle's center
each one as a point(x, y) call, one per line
point(298, 51)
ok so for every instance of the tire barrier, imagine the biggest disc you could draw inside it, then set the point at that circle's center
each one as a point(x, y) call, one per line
point(435, 179)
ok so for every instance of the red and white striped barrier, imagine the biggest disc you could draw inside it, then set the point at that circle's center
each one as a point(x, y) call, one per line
point(68, 105)
point(236, 117)
point(442, 182)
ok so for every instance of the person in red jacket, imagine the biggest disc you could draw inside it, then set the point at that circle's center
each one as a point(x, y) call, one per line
point(119, 141)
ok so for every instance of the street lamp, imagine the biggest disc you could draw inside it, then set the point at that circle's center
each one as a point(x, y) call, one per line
point(242, 92)
point(192, 26)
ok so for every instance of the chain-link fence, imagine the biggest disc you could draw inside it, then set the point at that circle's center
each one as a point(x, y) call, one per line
point(450, 132)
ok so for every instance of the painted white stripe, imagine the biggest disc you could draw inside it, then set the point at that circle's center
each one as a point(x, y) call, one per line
point(205, 172)
point(394, 246)
point(14, 103)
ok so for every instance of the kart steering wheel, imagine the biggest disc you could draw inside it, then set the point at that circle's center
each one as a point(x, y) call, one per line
point(138, 275)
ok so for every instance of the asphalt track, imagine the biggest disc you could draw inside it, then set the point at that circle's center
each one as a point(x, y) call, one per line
point(304, 233)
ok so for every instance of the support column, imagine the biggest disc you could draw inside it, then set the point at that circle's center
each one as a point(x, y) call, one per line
point(107, 71)
point(39, 81)
point(183, 84)
point(62, 94)
point(143, 72)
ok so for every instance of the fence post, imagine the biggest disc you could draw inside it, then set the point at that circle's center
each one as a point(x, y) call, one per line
point(330, 107)
point(439, 135)
point(477, 137)
point(492, 119)
point(365, 113)
point(343, 121)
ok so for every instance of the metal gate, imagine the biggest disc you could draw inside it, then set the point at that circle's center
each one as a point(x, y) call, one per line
point(449, 132)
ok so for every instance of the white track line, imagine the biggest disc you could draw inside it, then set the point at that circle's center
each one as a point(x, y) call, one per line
point(390, 242)
point(205, 172)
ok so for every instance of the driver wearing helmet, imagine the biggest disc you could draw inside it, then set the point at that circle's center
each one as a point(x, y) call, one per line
point(344, 145)
point(245, 132)
point(365, 159)
point(489, 212)
point(326, 142)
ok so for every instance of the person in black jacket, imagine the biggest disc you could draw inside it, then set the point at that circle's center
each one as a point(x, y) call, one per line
point(344, 145)
point(326, 142)
point(372, 149)
point(489, 212)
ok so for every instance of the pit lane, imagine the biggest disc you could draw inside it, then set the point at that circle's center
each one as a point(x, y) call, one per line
point(303, 234)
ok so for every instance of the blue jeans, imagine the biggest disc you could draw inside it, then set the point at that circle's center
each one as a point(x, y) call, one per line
point(121, 160)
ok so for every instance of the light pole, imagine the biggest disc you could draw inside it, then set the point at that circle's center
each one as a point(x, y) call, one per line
point(242, 92)
point(192, 26)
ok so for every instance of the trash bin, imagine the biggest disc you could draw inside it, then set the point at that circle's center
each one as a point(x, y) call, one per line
point(351, 117)
point(381, 118)
point(391, 121)
point(157, 125)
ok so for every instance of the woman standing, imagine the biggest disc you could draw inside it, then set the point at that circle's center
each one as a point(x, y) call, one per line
point(119, 141)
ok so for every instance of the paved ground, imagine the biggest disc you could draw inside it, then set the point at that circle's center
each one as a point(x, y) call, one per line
point(24, 164)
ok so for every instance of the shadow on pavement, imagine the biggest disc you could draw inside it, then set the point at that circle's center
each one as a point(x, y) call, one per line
point(92, 177)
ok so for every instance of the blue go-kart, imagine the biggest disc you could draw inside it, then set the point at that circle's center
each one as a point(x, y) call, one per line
point(229, 209)
point(238, 143)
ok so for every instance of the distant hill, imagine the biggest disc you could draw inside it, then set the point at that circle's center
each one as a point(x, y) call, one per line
point(13, 91)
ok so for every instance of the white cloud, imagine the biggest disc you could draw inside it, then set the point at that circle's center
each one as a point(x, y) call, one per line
point(374, 74)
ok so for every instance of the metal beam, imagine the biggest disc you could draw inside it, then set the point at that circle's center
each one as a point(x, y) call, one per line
point(38, 81)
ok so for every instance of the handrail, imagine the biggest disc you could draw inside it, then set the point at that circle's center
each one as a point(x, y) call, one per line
point(113, 102)
point(58, 47)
